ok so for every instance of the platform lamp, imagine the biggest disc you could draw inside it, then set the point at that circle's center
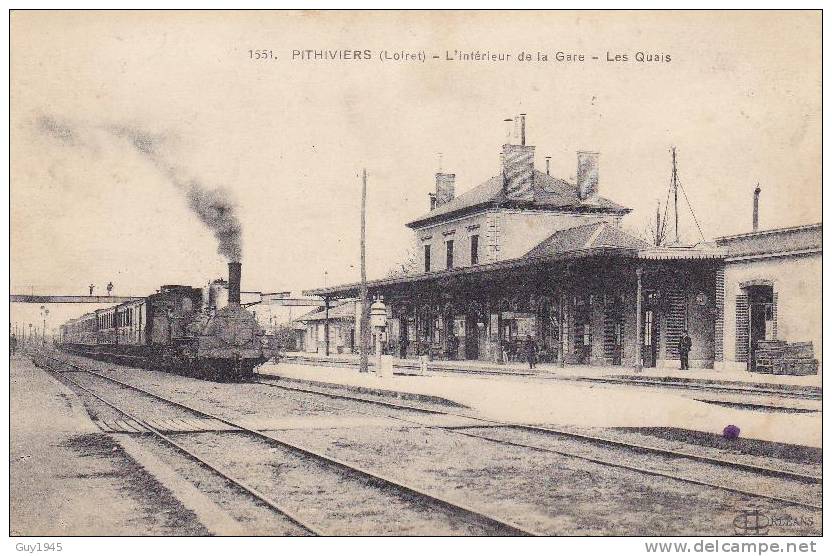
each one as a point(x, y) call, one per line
point(378, 320)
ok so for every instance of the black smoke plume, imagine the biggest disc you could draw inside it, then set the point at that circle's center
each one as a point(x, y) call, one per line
point(57, 130)
point(213, 206)
point(217, 211)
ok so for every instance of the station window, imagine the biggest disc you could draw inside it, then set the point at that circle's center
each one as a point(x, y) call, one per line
point(427, 258)
point(449, 254)
point(475, 249)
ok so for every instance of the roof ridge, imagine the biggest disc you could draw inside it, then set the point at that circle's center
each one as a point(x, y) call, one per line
point(592, 238)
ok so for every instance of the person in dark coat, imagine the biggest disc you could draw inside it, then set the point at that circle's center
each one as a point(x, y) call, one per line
point(453, 346)
point(685, 344)
point(531, 351)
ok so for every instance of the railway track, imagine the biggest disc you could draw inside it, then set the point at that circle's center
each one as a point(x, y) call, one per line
point(471, 431)
point(213, 467)
point(714, 387)
point(480, 520)
point(549, 431)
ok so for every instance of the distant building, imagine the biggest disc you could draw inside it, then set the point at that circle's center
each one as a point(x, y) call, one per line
point(272, 310)
point(339, 320)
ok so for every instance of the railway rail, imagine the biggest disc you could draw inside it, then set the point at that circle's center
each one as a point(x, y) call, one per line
point(213, 467)
point(760, 470)
point(494, 525)
point(469, 431)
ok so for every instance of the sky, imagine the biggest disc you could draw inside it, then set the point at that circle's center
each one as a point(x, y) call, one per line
point(117, 116)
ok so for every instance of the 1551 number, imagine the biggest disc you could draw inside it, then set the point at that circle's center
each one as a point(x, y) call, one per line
point(261, 55)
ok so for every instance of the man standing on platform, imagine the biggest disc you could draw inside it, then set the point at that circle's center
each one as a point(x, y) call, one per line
point(685, 344)
point(531, 351)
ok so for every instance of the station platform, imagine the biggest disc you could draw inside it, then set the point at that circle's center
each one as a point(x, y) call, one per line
point(540, 400)
point(66, 477)
point(811, 383)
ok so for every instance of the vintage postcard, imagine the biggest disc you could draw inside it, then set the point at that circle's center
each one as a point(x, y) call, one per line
point(416, 273)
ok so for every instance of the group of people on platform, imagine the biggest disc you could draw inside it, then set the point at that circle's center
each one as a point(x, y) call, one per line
point(530, 350)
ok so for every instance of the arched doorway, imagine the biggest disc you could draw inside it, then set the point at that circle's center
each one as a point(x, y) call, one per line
point(760, 317)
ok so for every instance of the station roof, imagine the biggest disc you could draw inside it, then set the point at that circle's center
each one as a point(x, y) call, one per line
point(578, 241)
point(549, 193)
point(342, 311)
point(778, 241)
point(592, 235)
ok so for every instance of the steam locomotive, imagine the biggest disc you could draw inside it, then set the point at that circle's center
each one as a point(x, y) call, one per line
point(178, 330)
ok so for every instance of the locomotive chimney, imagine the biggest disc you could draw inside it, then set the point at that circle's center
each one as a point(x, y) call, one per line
point(234, 273)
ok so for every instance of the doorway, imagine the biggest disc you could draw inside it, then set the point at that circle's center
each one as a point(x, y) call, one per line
point(760, 319)
point(583, 329)
point(613, 330)
point(472, 338)
point(404, 336)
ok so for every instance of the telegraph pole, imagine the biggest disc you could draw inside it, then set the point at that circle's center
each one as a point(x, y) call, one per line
point(365, 329)
point(658, 224)
point(675, 193)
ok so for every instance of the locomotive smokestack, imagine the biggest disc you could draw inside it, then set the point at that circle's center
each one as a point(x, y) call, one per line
point(234, 274)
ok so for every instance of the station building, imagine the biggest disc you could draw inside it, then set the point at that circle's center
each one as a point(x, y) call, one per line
point(525, 254)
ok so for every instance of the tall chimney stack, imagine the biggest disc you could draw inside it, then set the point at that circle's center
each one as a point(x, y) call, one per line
point(444, 187)
point(587, 175)
point(522, 129)
point(756, 217)
point(234, 275)
point(548, 160)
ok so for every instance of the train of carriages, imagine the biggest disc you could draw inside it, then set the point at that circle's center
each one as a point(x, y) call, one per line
point(179, 329)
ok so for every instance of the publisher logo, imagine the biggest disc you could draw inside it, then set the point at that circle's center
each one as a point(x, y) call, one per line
point(752, 523)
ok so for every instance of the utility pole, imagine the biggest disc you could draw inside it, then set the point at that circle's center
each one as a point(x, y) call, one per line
point(658, 224)
point(44, 312)
point(365, 329)
point(675, 193)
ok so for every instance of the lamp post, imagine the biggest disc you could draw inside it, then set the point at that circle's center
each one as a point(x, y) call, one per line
point(378, 318)
point(44, 312)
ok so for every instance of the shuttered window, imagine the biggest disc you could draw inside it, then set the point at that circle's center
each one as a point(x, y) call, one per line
point(741, 347)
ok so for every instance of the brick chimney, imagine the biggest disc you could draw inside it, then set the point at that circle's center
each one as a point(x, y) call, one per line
point(518, 167)
point(444, 188)
point(755, 222)
point(587, 176)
